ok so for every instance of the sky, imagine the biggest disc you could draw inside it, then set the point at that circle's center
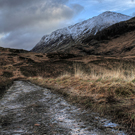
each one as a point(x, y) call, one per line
point(24, 22)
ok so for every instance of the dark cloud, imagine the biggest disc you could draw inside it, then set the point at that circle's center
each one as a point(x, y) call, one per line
point(19, 40)
point(133, 14)
point(24, 3)
point(77, 8)
point(28, 20)
point(30, 12)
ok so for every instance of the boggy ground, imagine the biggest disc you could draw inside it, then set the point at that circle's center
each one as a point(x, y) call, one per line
point(103, 84)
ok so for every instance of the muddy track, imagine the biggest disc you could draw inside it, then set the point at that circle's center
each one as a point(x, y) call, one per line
point(27, 109)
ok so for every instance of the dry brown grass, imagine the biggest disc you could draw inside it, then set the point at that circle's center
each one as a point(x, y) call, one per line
point(106, 85)
point(103, 74)
point(110, 92)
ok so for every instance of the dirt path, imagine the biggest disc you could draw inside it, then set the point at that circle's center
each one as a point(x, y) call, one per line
point(27, 109)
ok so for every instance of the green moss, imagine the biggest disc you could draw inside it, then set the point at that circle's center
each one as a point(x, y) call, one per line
point(123, 91)
point(133, 80)
point(133, 117)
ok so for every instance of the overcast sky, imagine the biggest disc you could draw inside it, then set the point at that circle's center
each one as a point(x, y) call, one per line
point(24, 22)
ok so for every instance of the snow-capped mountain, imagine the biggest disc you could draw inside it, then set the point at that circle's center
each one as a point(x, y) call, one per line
point(64, 38)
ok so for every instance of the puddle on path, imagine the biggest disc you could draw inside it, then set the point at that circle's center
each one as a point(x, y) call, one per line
point(27, 109)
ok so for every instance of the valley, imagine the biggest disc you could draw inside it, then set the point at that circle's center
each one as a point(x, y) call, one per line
point(89, 69)
point(102, 84)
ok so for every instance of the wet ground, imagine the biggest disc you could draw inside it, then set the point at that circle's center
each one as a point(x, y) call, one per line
point(27, 109)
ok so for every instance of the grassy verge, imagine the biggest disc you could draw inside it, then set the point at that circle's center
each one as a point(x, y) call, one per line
point(107, 92)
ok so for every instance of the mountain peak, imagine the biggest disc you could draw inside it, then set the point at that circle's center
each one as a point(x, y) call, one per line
point(109, 12)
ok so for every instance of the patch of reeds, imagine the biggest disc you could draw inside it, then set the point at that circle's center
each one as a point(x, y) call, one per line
point(107, 91)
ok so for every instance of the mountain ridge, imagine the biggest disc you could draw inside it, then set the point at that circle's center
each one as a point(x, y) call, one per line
point(116, 40)
point(66, 37)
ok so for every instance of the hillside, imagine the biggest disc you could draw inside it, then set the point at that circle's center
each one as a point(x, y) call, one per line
point(62, 39)
point(116, 40)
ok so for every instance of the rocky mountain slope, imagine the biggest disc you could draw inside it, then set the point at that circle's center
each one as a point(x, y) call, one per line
point(64, 38)
point(116, 40)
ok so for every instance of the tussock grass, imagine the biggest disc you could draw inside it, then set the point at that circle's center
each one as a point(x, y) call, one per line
point(103, 75)
point(110, 92)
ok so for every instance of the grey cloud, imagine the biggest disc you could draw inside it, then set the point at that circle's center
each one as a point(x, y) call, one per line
point(26, 38)
point(133, 14)
point(77, 8)
point(23, 3)
point(29, 15)
point(19, 40)
point(28, 20)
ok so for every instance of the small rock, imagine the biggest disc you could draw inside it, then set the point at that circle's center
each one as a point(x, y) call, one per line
point(37, 125)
